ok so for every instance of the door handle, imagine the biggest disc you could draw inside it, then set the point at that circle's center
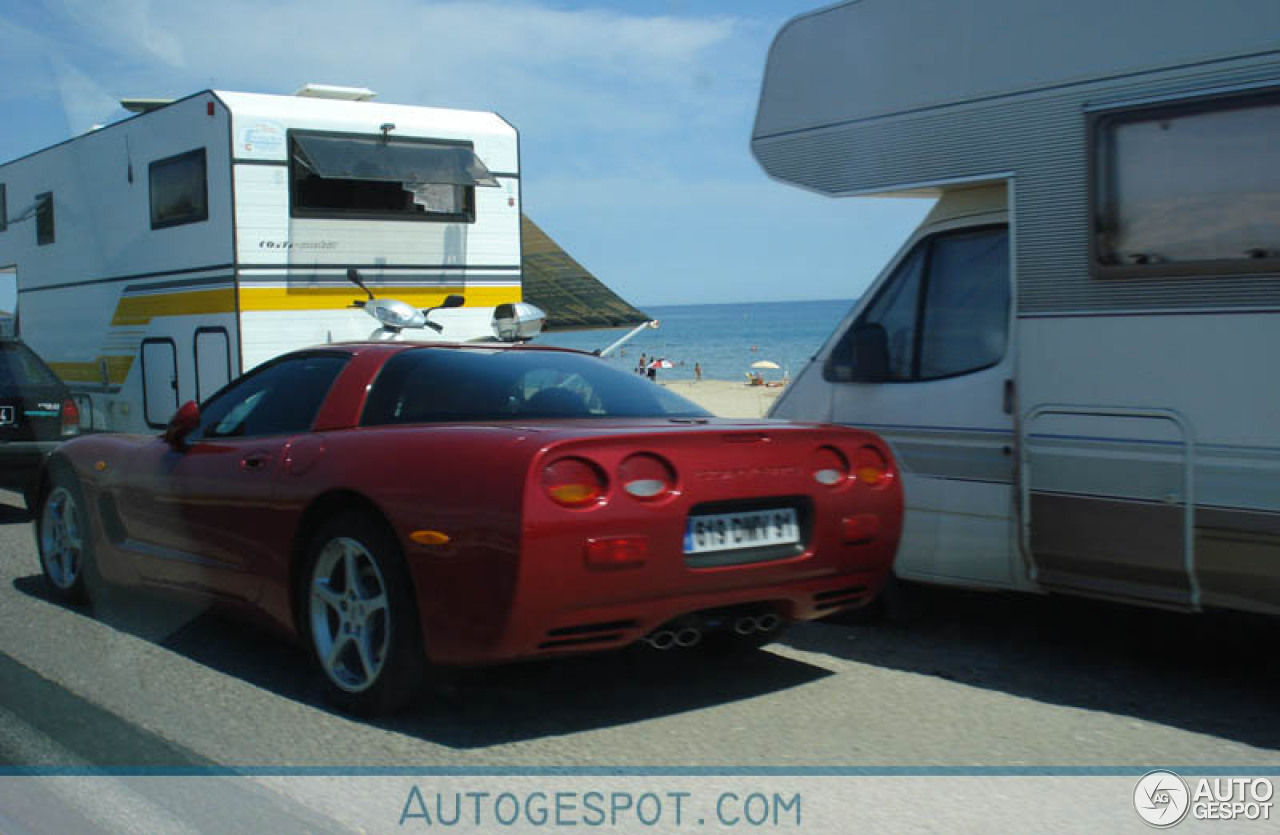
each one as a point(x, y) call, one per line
point(255, 461)
point(1009, 392)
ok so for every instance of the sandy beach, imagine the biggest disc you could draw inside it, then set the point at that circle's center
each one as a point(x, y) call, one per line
point(726, 398)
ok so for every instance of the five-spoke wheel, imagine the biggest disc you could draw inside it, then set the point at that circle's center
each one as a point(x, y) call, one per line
point(62, 534)
point(358, 611)
point(349, 617)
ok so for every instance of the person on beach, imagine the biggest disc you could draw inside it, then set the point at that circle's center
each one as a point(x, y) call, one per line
point(697, 372)
point(642, 366)
point(653, 370)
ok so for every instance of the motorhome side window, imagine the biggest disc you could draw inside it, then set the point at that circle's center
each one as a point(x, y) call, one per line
point(1188, 188)
point(943, 312)
point(4, 209)
point(44, 218)
point(179, 190)
point(377, 177)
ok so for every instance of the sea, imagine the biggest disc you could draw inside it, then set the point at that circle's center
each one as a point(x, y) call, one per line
point(725, 339)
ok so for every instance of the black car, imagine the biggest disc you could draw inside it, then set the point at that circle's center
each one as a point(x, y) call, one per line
point(36, 413)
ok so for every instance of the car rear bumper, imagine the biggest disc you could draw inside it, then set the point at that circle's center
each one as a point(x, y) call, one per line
point(20, 462)
point(579, 630)
point(612, 609)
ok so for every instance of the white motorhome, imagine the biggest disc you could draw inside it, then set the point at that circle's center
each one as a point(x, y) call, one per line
point(1073, 356)
point(163, 255)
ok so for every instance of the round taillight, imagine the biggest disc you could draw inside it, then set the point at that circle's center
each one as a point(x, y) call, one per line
point(870, 467)
point(646, 477)
point(574, 482)
point(829, 466)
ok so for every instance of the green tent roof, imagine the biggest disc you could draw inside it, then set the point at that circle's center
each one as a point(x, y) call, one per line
point(571, 296)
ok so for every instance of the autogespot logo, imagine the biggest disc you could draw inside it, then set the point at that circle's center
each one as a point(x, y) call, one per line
point(1162, 799)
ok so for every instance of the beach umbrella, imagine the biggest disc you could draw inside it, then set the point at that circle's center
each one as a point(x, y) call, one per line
point(665, 364)
point(765, 364)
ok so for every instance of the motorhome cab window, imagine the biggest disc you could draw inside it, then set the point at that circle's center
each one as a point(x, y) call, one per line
point(943, 312)
point(179, 190)
point(44, 218)
point(340, 175)
point(1188, 188)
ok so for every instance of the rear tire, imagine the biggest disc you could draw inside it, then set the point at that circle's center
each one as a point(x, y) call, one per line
point(358, 616)
point(63, 538)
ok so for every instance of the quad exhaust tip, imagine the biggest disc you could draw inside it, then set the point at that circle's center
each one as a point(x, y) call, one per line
point(748, 624)
point(664, 639)
point(688, 636)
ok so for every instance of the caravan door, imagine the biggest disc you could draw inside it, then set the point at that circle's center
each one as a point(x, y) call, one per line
point(927, 364)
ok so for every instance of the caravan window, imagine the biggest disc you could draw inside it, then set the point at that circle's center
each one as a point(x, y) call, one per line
point(341, 175)
point(44, 218)
point(179, 190)
point(943, 312)
point(1190, 188)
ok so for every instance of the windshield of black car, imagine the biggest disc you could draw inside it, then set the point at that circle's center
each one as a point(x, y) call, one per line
point(432, 385)
point(20, 368)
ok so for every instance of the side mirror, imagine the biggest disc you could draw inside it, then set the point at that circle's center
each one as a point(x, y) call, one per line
point(183, 423)
point(453, 300)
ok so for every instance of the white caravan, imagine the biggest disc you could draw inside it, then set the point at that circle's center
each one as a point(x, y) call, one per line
point(1074, 355)
point(163, 255)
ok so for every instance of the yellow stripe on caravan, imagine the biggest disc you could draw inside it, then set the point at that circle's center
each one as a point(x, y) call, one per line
point(139, 310)
point(340, 298)
point(91, 372)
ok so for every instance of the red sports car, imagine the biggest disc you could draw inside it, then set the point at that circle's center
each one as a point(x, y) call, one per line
point(396, 506)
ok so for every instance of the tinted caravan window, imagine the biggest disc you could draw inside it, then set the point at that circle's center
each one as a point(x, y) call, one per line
point(1186, 185)
point(44, 218)
point(179, 190)
point(341, 175)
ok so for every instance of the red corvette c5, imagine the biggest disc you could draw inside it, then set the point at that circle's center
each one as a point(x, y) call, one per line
point(396, 505)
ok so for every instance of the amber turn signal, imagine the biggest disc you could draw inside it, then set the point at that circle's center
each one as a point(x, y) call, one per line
point(429, 537)
point(574, 482)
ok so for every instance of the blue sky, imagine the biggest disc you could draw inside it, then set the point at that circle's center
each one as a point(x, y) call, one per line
point(634, 117)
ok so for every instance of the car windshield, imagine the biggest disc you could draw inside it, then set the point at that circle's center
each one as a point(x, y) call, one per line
point(430, 385)
point(20, 368)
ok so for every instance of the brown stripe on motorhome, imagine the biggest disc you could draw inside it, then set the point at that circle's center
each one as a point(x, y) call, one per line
point(1238, 558)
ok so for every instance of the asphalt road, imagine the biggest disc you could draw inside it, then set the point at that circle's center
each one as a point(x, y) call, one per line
point(973, 680)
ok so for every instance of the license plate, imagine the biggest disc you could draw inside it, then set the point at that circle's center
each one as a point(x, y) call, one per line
point(748, 529)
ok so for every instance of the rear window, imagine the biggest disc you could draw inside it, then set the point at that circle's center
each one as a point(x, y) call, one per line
point(433, 385)
point(20, 368)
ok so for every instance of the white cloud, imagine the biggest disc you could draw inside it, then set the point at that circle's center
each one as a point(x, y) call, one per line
point(559, 70)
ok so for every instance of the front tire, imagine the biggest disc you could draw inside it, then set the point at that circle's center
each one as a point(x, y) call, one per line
point(63, 539)
point(359, 616)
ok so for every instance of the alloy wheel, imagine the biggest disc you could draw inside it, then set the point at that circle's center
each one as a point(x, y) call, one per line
point(350, 618)
point(61, 539)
